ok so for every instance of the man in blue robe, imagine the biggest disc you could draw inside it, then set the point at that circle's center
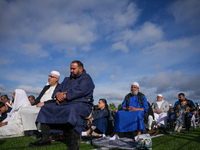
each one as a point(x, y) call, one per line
point(130, 117)
point(74, 101)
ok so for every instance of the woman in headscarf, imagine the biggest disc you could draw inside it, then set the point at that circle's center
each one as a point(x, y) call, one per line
point(100, 120)
point(12, 125)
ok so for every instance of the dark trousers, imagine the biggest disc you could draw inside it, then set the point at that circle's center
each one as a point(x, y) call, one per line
point(45, 129)
point(187, 122)
point(172, 124)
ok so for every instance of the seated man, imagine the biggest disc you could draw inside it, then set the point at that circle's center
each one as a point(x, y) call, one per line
point(29, 114)
point(6, 101)
point(133, 109)
point(188, 115)
point(31, 99)
point(171, 122)
point(4, 110)
point(160, 107)
point(100, 120)
point(12, 125)
point(74, 101)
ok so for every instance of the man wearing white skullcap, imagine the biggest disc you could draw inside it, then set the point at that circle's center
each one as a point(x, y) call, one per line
point(161, 108)
point(29, 114)
point(133, 109)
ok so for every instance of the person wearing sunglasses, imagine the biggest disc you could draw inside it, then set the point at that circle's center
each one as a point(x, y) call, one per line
point(30, 113)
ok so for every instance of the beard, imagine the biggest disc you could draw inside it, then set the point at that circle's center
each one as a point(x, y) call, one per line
point(134, 92)
point(180, 100)
point(74, 74)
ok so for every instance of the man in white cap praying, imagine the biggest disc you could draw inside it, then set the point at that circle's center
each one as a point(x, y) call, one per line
point(133, 109)
point(161, 108)
point(29, 114)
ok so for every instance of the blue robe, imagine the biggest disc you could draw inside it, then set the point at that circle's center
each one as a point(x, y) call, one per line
point(76, 106)
point(127, 121)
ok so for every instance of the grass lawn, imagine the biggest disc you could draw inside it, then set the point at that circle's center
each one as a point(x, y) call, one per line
point(178, 141)
point(173, 141)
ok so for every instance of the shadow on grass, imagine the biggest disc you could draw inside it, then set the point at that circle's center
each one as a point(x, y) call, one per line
point(178, 141)
point(2, 141)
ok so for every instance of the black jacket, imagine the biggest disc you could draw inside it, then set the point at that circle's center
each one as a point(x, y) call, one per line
point(42, 93)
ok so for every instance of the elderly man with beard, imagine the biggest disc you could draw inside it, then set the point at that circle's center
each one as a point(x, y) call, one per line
point(160, 107)
point(74, 101)
point(130, 117)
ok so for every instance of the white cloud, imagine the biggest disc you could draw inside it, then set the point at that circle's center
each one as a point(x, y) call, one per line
point(34, 49)
point(172, 81)
point(70, 34)
point(120, 46)
point(30, 90)
point(4, 61)
point(113, 78)
point(126, 17)
point(173, 52)
point(2, 88)
point(92, 70)
point(186, 12)
point(24, 77)
point(147, 34)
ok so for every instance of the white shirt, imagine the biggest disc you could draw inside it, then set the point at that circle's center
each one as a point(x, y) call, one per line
point(159, 103)
point(48, 94)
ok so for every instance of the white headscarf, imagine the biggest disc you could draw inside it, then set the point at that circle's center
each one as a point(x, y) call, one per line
point(20, 100)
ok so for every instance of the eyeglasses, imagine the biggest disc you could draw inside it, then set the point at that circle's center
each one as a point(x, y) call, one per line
point(52, 76)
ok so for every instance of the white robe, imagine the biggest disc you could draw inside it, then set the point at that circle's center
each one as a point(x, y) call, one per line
point(29, 114)
point(162, 117)
point(14, 128)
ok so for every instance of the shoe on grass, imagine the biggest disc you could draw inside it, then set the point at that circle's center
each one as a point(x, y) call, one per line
point(115, 137)
point(40, 143)
point(84, 134)
point(186, 132)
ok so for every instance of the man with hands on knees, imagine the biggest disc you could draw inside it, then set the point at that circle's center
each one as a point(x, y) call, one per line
point(133, 110)
point(74, 101)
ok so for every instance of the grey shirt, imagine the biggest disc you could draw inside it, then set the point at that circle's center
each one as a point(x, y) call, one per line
point(164, 107)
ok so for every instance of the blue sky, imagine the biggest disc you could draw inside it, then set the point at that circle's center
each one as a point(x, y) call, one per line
point(156, 43)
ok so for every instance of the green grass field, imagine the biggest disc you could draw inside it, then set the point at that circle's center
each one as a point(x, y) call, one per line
point(173, 141)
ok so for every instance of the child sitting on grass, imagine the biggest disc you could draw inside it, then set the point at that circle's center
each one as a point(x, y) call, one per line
point(180, 114)
point(4, 110)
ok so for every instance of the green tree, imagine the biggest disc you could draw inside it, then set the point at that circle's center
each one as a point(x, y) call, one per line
point(119, 106)
point(112, 106)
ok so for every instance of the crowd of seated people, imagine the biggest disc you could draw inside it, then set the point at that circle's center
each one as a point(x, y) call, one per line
point(66, 105)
